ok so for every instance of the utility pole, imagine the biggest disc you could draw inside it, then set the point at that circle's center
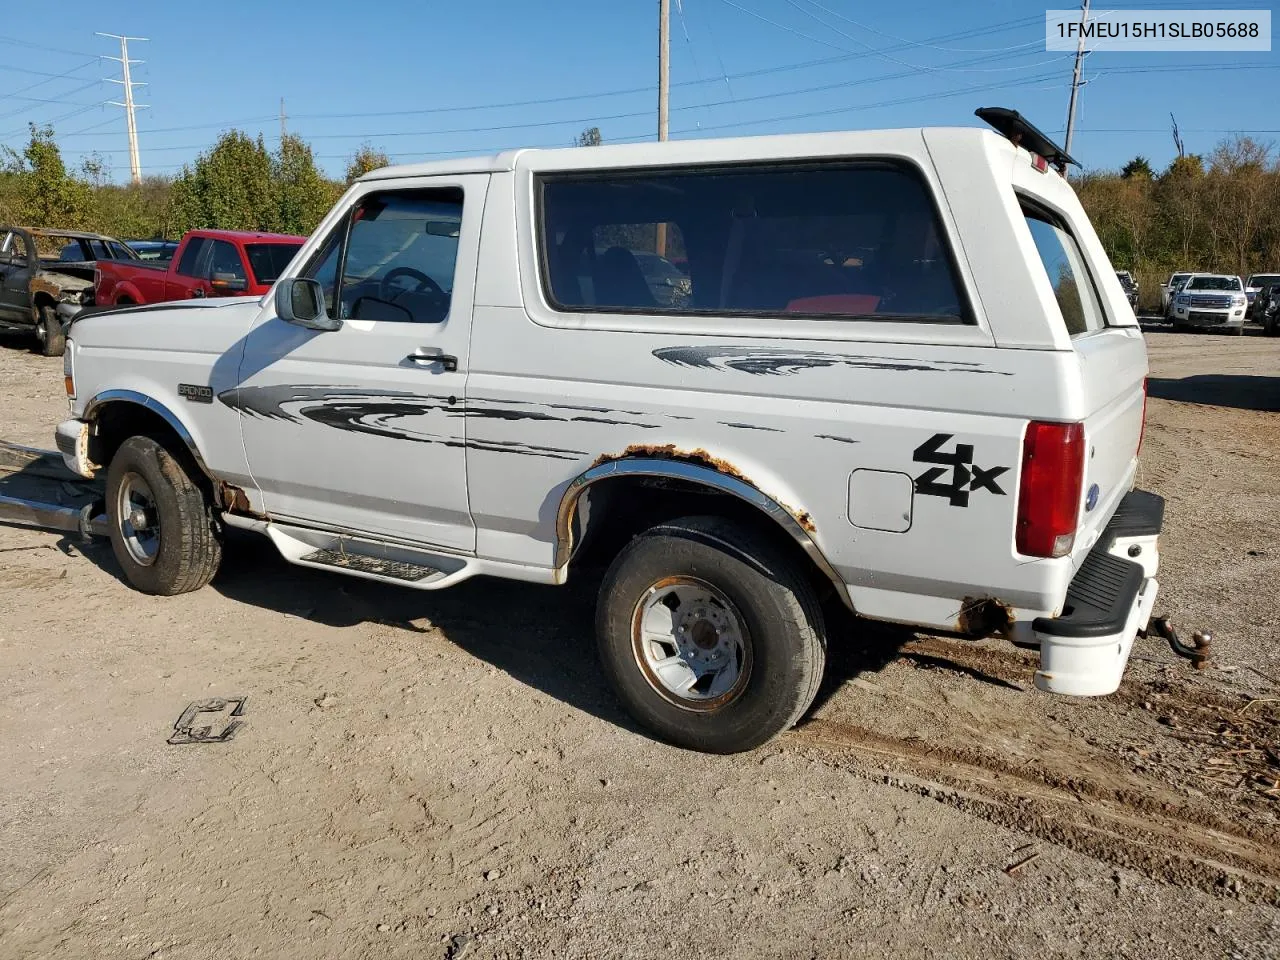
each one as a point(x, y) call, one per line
point(135, 165)
point(1076, 83)
point(664, 89)
point(283, 131)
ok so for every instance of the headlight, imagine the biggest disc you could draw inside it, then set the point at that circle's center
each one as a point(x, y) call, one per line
point(69, 369)
point(1239, 301)
point(71, 296)
point(1182, 300)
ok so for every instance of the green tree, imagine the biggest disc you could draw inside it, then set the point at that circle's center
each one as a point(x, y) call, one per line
point(228, 188)
point(302, 194)
point(42, 190)
point(367, 158)
point(590, 137)
point(1137, 167)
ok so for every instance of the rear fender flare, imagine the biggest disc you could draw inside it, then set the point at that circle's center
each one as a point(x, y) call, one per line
point(693, 473)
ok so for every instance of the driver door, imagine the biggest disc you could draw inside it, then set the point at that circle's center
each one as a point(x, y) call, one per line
point(362, 428)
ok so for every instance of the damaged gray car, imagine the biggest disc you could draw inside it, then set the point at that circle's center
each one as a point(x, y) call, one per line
point(46, 278)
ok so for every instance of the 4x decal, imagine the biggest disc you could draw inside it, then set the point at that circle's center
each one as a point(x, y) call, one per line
point(966, 476)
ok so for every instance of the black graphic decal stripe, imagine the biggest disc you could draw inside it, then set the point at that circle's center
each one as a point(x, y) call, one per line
point(766, 361)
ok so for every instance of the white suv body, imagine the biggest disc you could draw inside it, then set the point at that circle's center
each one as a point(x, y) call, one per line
point(870, 381)
point(1210, 301)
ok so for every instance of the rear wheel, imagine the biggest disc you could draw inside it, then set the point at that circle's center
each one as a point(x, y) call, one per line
point(49, 332)
point(163, 529)
point(711, 636)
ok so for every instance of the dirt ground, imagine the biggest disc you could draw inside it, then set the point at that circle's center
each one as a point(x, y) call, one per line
point(446, 775)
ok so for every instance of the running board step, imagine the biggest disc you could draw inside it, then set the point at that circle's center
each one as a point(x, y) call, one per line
point(375, 566)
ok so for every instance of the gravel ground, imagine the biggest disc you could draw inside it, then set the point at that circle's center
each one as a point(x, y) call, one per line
point(445, 775)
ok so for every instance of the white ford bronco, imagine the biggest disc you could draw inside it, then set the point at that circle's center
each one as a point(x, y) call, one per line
point(892, 370)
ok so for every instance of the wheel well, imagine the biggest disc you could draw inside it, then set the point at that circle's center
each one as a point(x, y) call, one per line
point(43, 300)
point(119, 420)
point(620, 508)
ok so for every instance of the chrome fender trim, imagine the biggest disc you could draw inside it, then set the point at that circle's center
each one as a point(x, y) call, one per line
point(142, 400)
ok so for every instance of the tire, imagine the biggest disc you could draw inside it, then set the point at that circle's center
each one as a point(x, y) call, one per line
point(180, 547)
point(743, 603)
point(1269, 326)
point(53, 339)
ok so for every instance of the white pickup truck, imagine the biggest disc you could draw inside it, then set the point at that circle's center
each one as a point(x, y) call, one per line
point(892, 370)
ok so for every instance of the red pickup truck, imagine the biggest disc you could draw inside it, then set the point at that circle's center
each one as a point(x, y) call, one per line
point(207, 263)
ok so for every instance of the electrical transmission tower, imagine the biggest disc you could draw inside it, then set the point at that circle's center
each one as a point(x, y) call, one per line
point(135, 165)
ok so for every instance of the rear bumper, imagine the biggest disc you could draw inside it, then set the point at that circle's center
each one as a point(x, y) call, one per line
point(1084, 652)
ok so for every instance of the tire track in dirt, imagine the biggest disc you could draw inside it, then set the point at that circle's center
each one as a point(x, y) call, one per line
point(1087, 802)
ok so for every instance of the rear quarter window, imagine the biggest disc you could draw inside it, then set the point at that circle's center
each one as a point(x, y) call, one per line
point(1068, 273)
point(829, 241)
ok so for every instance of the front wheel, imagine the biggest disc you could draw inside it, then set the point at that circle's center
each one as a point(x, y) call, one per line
point(53, 339)
point(163, 529)
point(710, 635)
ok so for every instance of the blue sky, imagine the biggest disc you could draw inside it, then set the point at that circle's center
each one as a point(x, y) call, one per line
point(426, 78)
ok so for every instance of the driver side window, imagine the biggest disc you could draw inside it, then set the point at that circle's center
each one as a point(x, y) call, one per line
point(393, 259)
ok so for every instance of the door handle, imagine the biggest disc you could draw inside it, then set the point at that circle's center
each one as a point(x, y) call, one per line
point(447, 362)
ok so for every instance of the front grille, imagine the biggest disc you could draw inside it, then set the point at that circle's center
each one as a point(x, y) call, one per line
point(1211, 303)
point(1199, 316)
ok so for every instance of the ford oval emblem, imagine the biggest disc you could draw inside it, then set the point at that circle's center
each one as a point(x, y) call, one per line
point(1091, 499)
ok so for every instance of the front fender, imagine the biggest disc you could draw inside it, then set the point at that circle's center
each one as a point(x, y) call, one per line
point(95, 406)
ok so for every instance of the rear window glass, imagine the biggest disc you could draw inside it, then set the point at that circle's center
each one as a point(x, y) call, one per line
point(1065, 267)
point(268, 260)
point(848, 241)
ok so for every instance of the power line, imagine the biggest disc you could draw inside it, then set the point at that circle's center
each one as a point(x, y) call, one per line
point(999, 26)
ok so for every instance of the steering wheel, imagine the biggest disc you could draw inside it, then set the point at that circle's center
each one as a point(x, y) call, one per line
point(388, 293)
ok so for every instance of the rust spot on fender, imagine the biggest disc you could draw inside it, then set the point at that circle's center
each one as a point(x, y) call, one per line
point(669, 451)
point(984, 616)
point(234, 499)
point(700, 457)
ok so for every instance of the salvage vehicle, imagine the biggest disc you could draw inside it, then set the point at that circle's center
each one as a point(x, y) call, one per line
point(46, 277)
point(1168, 290)
point(207, 263)
point(452, 379)
point(1130, 288)
point(1210, 301)
point(1269, 309)
point(1252, 287)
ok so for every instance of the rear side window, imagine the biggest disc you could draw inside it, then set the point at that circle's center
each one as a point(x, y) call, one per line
point(1064, 264)
point(831, 241)
point(268, 260)
point(191, 257)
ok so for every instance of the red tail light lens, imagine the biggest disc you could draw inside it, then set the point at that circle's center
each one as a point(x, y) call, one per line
point(1049, 495)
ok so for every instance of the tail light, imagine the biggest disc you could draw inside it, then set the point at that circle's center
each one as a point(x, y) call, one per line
point(1049, 493)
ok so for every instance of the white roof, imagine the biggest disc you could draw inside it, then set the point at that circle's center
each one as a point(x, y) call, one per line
point(652, 153)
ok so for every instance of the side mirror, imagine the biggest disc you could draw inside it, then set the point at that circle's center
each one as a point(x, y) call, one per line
point(301, 301)
point(228, 283)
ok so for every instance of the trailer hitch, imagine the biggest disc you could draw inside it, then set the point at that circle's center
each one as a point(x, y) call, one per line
point(1201, 641)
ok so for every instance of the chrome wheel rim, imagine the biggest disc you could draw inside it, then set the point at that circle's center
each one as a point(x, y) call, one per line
point(691, 644)
point(138, 519)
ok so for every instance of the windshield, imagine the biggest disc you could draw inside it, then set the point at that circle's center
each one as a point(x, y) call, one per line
point(268, 260)
point(1178, 279)
point(1264, 280)
point(1214, 283)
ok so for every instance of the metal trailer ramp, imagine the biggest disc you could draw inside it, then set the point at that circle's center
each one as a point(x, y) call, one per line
point(37, 490)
